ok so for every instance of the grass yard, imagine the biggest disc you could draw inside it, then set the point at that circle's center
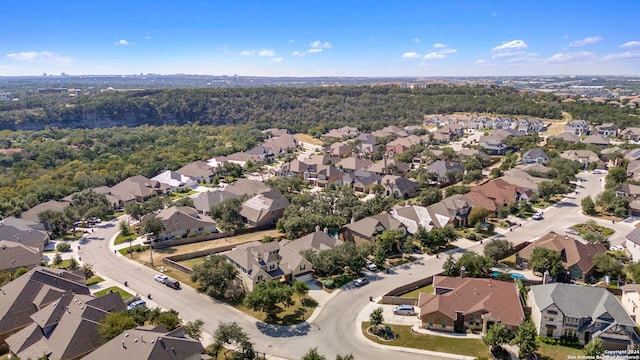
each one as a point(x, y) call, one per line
point(104, 292)
point(414, 293)
point(175, 195)
point(121, 239)
point(286, 316)
point(557, 352)
point(193, 262)
point(94, 280)
point(406, 338)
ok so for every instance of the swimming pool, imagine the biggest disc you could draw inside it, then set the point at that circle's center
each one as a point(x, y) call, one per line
point(512, 275)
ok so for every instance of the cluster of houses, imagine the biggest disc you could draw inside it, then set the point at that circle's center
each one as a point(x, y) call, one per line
point(50, 312)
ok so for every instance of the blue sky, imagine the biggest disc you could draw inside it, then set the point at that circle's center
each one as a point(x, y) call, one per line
point(320, 38)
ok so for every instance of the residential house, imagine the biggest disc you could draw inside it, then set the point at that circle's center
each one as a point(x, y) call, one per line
point(25, 232)
point(632, 243)
point(401, 145)
point(399, 187)
point(570, 138)
point(339, 149)
point(438, 120)
point(606, 130)
point(630, 300)
point(395, 131)
point(275, 132)
point(630, 133)
point(439, 171)
point(198, 170)
point(361, 181)
point(447, 133)
point(503, 123)
point(242, 158)
point(577, 127)
point(584, 312)
point(366, 143)
point(316, 241)
point(261, 152)
point(31, 292)
point(530, 126)
point(14, 255)
point(535, 155)
point(584, 157)
point(345, 132)
point(137, 189)
point(258, 262)
point(521, 178)
point(113, 201)
point(351, 164)
point(150, 343)
point(389, 166)
point(577, 257)
point(633, 170)
point(206, 199)
point(65, 329)
point(413, 217)
point(366, 229)
point(459, 304)
point(496, 193)
point(494, 147)
point(597, 140)
point(453, 210)
point(325, 176)
point(32, 214)
point(281, 144)
point(264, 209)
point(249, 187)
point(180, 221)
point(176, 181)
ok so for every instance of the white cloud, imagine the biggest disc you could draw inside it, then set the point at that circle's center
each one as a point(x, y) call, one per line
point(123, 43)
point(266, 52)
point(298, 53)
point(434, 55)
point(291, 41)
point(147, 37)
point(623, 55)
point(507, 54)
point(480, 61)
point(39, 57)
point(411, 55)
point(439, 45)
point(629, 44)
point(416, 40)
point(277, 60)
point(560, 57)
point(320, 45)
point(565, 37)
point(513, 44)
point(448, 51)
point(248, 52)
point(586, 41)
point(314, 51)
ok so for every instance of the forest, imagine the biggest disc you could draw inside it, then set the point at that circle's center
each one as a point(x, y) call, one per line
point(311, 110)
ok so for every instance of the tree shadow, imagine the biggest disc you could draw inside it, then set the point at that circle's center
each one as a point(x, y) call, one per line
point(283, 331)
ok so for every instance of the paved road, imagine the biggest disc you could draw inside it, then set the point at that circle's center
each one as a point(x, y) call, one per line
point(336, 329)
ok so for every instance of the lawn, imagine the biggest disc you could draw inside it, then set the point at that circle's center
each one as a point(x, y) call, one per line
point(591, 227)
point(285, 316)
point(192, 262)
point(121, 239)
point(175, 195)
point(557, 352)
point(406, 338)
point(104, 292)
point(414, 293)
point(94, 280)
point(309, 139)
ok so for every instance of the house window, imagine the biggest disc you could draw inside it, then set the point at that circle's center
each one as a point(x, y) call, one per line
point(549, 332)
point(271, 267)
point(569, 332)
point(430, 320)
point(552, 312)
point(551, 318)
point(259, 277)
point(444, 323)
point(471, 318)
point(303, 266)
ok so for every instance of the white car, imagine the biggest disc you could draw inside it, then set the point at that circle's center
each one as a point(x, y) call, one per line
point(616, 247)
point(572, 231)
point(371, 266)
point(161, 278)
point(537, 216)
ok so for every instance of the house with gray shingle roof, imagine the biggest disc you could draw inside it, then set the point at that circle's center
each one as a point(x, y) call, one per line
point(183, 220)
point(577, 127)
point(597, 140)
point(264, 209)
point(399, 187)
point(535, 155)
point(150, 343)
point(439, 170)
point(366, 229)
point(585, 312)
point(206, 199)
point(630, 133)
point(137, 189)
point(199, 170)
point(14, 255)
point(25, 232)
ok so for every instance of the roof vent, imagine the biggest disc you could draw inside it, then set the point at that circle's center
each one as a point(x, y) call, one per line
point(153, 341)
point(124, 347)
point(126, 334)
point(135, 340)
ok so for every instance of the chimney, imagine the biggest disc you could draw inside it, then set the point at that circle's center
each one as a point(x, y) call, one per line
point(490, 283)
point(462, 272)
point(124, 347)
point(353, 220)
point(317, 228)
point(326, 230)
point(546, 277)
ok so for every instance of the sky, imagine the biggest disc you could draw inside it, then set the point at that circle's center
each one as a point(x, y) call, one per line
point(372, 38)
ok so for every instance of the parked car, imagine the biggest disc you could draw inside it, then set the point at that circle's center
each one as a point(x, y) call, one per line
point(537, 216)
point(371, 266)
point(572, 231)
point(616, 247)
point(161, 278)
point(596, 172)
point(94, 220)
point(404, 310)
point(172, 283)
point(136, 303)
point(360, 282)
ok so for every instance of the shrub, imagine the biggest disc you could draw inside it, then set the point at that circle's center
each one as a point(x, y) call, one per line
point(63, 247)
point(329, 283)
point(20, 271)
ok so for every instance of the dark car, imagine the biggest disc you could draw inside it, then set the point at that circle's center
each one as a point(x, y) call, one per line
point(360, 282)
point(172, 283)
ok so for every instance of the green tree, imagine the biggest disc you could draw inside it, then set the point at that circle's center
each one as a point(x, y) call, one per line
point(267, 295)
point(632, 271)
point(389, 240)
point(450, 267)
point(227, 214)
point(615, 177)
point(215, 276)
point(57, 259)
point(594, 349)
point(301, 289)
point(498, 249)
point(153, 226)
point(496, 336)
point(88, 203)
point(477, 214)
point(232, 336)
point(526, 340)
point(344, 357)
point(475, 265)
point(376, 318)
point(125, 230)
point(543, 259)
point(63, 247)
point(169, 318)
point(73, 264)
point(588, 206)
point(193, 329)
point(430, 195)
point(114, 324)
point(87, 270)
point(313, 354)
point(607, 264)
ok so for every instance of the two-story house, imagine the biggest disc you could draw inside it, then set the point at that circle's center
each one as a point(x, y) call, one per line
point(583, 312)
point(577, 127)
